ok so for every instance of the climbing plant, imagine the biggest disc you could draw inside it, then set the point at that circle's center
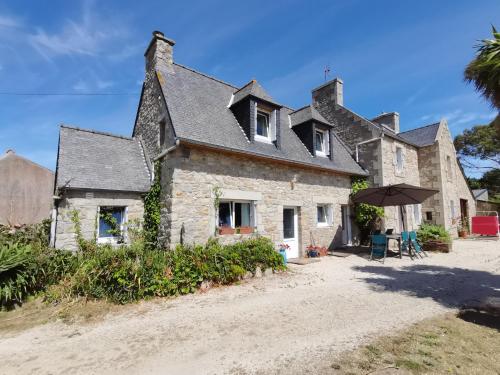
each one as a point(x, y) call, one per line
point(152, 210)
point(365, 215)
point(217, 193)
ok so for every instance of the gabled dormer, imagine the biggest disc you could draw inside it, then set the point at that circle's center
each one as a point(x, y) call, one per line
point(315, 132)
point(257, 113)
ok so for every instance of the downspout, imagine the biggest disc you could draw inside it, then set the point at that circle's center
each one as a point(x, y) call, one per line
point(167, 151)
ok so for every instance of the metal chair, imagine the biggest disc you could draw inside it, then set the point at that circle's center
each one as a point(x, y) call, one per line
point(417, 246)
point(379, 247)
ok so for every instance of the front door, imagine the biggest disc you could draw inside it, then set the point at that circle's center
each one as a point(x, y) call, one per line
point(346, 226)
point(290, 231)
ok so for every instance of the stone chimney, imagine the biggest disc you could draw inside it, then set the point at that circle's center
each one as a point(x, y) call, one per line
point(332, 91)
point(159, 54)
point(391, 120)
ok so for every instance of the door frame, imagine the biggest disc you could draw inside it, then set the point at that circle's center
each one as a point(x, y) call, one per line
point(295, 227)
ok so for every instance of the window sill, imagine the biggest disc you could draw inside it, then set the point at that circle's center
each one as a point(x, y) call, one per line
point(109, 240)
point(324, 225)
point(262, 139)
point(321, 154)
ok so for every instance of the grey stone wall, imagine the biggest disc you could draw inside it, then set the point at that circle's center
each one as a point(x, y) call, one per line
point(87, 203)
point(190, 176)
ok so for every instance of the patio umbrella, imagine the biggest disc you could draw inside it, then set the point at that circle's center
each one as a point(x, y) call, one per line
point(393, 195)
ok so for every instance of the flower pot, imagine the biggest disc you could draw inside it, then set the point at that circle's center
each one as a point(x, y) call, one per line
point(283, 254)
point(226, 230)
point(313, 253)
point(323, 251)
point(462, 233)
point(246, 230)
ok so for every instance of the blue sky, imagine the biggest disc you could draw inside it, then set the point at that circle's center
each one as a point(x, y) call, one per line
point(392, 55)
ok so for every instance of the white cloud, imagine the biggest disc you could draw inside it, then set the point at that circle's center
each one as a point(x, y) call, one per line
point(458, 117)
point(81, 85)
point(104, 84)
point(9, 22)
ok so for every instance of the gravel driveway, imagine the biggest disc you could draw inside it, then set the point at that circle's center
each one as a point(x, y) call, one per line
point(286, 323)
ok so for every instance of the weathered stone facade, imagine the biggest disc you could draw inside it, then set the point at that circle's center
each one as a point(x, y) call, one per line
point(189, 177)
point(439, 169)
point(87, 205)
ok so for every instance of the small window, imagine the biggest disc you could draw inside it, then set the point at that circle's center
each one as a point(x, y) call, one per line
point(236, 214)
point(111, 224)
point(399, 159)
point(448, 167)
point(428, 215)
point(324, 215)
point(321, 142)
point(263, 124)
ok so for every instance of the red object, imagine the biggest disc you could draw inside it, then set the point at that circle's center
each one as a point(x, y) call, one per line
point(226, 230)
point(485, 225)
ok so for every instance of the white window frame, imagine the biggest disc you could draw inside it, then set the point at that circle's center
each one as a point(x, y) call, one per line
point(123, 226)
point(270, 118)
point(328, 215)
point(399, 159)
point(232, 212)
point(324, 144)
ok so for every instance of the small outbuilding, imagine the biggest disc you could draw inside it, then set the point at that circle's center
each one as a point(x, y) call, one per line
point(26, 190)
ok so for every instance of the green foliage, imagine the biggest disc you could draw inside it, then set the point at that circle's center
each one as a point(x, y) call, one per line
point(15, 278)
point(484, 70)
point(114, 226)
point(37, 235)
point(83, 244)
point(482, 141)
point(365, 215)
point(433, 232)
point(152, 210)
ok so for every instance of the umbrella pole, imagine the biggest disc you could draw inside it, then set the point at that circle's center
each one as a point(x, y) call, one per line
point(403, 217)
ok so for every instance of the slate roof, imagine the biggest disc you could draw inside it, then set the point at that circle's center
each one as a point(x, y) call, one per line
point(198, 107)
point(94, 160)
point(423, 136)
point(253, 88)
point(478, 194)
point(305, 114)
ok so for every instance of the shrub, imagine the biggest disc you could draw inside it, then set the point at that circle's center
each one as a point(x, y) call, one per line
point(433, 232)
point(15, 279)
point(366, 216)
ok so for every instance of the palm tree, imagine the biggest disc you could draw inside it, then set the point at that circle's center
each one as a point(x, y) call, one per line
point(484, 70)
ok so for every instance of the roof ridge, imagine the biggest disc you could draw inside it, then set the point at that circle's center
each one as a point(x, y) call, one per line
point(206, 75)
point(245, 85)
point(300, 109)
point(421, 127)
point(97, 132)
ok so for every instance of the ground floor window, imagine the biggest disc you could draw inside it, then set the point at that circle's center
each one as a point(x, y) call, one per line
point(324, 214)
point(111, 223)
point(236, 214)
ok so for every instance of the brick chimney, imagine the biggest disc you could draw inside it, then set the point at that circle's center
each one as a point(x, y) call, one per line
point(391, 120)
point(331, 91)
point(159, 54)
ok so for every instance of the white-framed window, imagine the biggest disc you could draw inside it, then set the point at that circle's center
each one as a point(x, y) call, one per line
point(111, 224)
point(265, 124)
point(321, 142)
point(324, 215)
point(237, 214)
point(417, 214)
point(399, 159)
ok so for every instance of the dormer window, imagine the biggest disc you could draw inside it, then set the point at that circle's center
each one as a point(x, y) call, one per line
point(322, 142)
point(262, 129)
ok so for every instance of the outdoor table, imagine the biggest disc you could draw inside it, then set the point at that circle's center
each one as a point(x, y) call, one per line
point(397, 237)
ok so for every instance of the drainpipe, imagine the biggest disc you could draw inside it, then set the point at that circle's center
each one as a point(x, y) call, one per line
point(167, 151)
point(365, 142)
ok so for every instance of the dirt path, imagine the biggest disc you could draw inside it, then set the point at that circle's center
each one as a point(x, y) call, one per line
point(279, 324)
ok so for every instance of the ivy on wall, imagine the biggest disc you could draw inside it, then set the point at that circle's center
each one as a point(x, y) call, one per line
point(152, 210)
point(366, 216)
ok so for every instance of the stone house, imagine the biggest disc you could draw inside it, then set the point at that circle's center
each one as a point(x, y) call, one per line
point(232, 162)
point(26, 190)
point(424, 156)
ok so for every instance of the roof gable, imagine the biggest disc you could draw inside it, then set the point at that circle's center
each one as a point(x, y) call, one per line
point(94, 160)
point(423, 136)
point(307, 113)
point(252, 88)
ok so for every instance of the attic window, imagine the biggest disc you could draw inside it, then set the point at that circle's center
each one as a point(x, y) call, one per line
point(262, 129)
point(321, 142)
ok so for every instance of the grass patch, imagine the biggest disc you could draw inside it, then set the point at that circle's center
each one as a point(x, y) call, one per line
point(444, 345)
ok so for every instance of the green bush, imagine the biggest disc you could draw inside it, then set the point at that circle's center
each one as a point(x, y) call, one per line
point(16, 280)
point(130, 273)
point(433, 232)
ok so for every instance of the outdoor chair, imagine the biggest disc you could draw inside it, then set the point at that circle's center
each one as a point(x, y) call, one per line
point(417, 246)
point(379, 247)
point(405, 241)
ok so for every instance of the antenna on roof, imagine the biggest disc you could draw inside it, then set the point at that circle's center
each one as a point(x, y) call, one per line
point(327, 71)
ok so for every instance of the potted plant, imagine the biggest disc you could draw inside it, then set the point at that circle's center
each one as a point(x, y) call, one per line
point(463, 230)
point(226, 230)
point(434, 238)
point(283, 247)
point(245, 230)
point(323, 250)
point(312, 251)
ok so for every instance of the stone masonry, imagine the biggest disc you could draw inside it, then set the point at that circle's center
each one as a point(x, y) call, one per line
point(189, 177)
point(87, 204)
